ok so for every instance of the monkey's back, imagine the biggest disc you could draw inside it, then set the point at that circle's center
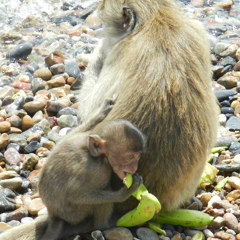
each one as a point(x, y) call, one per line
point(161, 74)
point(68, 174)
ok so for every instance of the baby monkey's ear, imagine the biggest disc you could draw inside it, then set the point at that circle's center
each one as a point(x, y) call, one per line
point(97, 145)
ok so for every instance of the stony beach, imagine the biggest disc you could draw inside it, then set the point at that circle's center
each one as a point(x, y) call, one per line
point(44, 50)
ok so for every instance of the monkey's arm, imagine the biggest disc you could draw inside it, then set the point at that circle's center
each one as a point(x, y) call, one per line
point(97, 117)
point(109, 196)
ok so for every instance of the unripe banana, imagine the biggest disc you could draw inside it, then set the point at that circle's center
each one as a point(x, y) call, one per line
point(156, 227)
point(140, 215)
point(184, 218)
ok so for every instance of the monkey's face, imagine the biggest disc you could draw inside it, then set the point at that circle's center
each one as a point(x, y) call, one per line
point(124, 163)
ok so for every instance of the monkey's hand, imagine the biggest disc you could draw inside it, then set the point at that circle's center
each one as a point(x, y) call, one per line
point(106, 107)
point(146, 209)
point(136, 183)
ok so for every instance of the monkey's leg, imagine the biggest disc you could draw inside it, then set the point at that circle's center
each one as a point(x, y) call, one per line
point(102, 215)
point(59, 229)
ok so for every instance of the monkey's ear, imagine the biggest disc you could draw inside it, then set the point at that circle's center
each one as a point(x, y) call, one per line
point(97, 145)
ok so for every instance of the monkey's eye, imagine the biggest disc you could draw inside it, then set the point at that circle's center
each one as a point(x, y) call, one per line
point(131, 157)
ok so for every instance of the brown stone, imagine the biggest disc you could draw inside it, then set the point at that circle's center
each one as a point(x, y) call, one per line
point(4, 126)
point(35, 206)
point(27, 122)
point(55, 57)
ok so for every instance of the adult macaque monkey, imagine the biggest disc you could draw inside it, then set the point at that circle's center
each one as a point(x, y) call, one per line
point(75, 181)
point(157, 61)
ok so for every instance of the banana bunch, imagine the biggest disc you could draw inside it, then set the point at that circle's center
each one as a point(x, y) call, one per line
point(148, 206)
point(184, 217)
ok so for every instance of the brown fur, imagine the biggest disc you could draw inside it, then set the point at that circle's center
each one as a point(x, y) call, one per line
point(160, 72)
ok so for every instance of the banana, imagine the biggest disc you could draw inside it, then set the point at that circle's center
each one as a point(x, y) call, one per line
point(140, 215)
point(184, 218)
point(146, 209)
point(156, 227)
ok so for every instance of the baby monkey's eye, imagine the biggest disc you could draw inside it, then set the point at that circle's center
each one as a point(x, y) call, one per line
point(130, 157)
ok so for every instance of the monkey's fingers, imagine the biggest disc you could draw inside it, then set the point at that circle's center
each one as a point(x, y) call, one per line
point(184, 218)
point(128, 181)
point(140, 215)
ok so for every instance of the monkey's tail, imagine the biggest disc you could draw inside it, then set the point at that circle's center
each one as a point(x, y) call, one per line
point(29, 231)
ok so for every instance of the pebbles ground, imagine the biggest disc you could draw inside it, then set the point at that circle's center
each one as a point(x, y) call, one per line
point(42, 56)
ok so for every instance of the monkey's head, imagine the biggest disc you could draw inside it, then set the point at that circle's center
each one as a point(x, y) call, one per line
point(121, 142)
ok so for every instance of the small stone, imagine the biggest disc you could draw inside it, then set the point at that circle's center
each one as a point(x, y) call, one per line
point(12, 157)
point(17, 214)
point(217, 223)
point(234, 182)
point(11, 183)
point(30, 161)
point(4, 126)
point(54, 58)
point(37, 84)
point(56, 82)
point(230, 221)
point(235, 148)
point(68, 111)
point(15, 121)
point(67, 121)
point(3, 140)
point(227, 110)
point(37, 117)
point(57, 69)
point(225, 49)
point(20, 52)
point(54, 107)
point(118, 233)
point(224, 94)
point(16, 105)
point(22, 85)
point(208, 233)
point(72, 69)
point(19, 139)
point(233, 123)
point(26, 220)
point(43, 73)
point(7, 202)
point(177, 237)
point(224, 204)
point(144, 233)
point(32, 67)
point(32, 147)
point(223, 235)
point(35, 206)
point(205, 198)
point(33, 107)
point(8, 174)
point(27, 122)
point(233, 195)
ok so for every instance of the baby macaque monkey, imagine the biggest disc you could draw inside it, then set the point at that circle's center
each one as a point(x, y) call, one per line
point(75, 180)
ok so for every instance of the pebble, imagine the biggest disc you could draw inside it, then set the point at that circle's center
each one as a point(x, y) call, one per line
point(11, 183)
point(67, 121)
point(7, 202)
point(20, 52)
point(144, 233)
point(57, 68)
point(118, 233)
point(234, 182)
point(30, 161)
point(4, 138)
point(56, 82)
point(233, 123)
point(43, 73)
point(72, 69)
point(35, 206)
point(4, 126)
point(37, 84)
point(54, 58)
point(8, 174)
point(27, 122)
point(12, 157)
point(33, 107)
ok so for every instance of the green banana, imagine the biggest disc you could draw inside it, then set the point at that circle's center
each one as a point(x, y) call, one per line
point(184, 218)
point(146, 209)
point(139, 215)
point(156, 227)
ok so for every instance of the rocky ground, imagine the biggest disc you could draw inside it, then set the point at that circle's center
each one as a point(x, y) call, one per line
point(43, 54)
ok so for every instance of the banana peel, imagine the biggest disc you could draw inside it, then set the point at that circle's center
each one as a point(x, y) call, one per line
point(147, 208)
point(184, 217)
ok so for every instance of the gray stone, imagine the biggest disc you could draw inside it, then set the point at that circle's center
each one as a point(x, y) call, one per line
point(20, 52)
